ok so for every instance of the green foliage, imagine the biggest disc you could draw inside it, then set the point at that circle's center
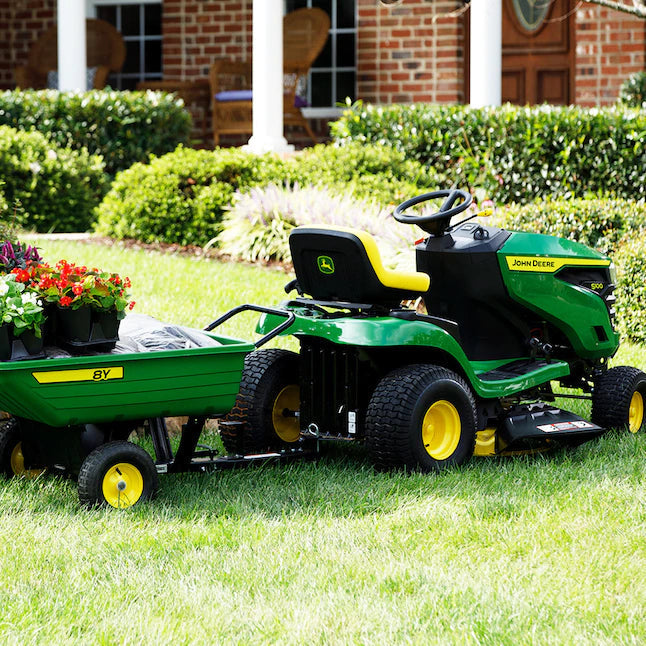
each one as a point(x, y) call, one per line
point(633, 91)
point(599, 223)
point(123, 127)
point(631, 287)
point(513, 154)
point(19, 307)
point(181, 197)
point(51, 188)
point(376, 173)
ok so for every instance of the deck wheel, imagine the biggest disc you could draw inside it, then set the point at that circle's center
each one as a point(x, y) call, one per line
point(618, 399)
point(117, 474)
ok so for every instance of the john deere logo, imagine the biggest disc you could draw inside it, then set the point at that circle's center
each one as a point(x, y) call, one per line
point(325, 264)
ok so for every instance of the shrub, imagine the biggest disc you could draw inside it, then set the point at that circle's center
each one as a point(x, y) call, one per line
point(375, 173)
point(597, 223)
point(124, 127)
point(514, 154)
point(633, 90)
point(631, 288)
point(51, 188)
point(258, 224)
point(180, 197)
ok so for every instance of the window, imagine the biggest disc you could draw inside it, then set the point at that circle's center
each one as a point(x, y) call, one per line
point(334, 73)
point(140, 24)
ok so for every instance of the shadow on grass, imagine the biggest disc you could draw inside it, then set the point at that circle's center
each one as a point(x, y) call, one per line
point(343, 483)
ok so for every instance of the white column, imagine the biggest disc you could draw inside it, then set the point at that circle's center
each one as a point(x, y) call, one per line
point(71, 45)
point(486, 52)
point(267, 78)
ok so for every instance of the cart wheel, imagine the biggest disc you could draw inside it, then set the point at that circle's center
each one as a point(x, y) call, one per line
point(119, 474)
point(267, 404)
point(421, 417)
point(618, 399)
point(12, 460)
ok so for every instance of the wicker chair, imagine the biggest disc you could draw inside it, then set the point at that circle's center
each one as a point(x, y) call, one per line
point(106, 52)
point(304, 34)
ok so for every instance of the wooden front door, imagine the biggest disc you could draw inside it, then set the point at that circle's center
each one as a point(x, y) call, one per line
point(538, 51)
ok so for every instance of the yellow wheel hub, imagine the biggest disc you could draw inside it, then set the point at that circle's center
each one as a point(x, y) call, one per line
point(441, 429)
point(636, 413)
point(123, 485)
point(283, 415)
point(17, 461)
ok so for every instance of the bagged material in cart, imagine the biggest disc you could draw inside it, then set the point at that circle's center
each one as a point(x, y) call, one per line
point(141, 333)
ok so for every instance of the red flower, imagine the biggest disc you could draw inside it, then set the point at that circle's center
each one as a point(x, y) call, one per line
point(65, 301)
point(77, 288)
point(22, 275)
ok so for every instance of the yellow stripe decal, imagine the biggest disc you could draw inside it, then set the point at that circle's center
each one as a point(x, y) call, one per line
point(84, 374)
point(548, 265)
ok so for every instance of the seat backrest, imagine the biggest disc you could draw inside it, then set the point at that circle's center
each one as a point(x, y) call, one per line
point(105, 46)
point(305, 32)
point(344, 265)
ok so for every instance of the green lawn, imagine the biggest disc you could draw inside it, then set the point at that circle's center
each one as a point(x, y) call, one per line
point(549, 549)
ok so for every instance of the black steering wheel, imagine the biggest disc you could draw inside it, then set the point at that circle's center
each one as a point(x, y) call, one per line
point(434, 223)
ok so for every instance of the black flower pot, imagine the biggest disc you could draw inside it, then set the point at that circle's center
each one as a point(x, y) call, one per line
point(5, 342)
point(33, 344)
point(106, 325)
point(74, 325)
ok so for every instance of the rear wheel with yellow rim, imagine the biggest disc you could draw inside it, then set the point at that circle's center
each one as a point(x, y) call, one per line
point(14, 458)
point(266, 413)
point(618, 399)
point(421, 417)
point(117, 474)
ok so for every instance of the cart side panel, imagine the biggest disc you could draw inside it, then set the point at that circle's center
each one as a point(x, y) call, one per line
point(107, 388)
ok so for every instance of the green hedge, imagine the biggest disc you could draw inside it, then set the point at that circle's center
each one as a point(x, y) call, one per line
point(49, 188)
point(633, 90)
point(631, 288)
point(513, 154)
point(599, 223)
point(124, 127)
point(181, 197)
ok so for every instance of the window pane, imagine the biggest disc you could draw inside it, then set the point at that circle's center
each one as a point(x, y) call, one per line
point(325, 57)
point(131, 64)
point(345, 86)
point(321, 89)
point(109, 14)
point(152, 19)
point(326, 5)
point(128, 84)
point(344, 14)
point(130, 20)
point(153, 56)
point(345, 50)
point(292, 5)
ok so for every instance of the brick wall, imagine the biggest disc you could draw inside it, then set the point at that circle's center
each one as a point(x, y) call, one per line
point(410, 52)
point(195, 33)
point(610, 46)
point(21, 21)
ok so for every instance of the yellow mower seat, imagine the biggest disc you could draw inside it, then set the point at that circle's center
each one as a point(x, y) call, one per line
point(343, 264)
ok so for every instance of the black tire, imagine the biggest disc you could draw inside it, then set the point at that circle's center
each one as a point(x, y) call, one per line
point(117, 474)
point(12, 461)
point(618, 399)
point(421, 417)
point(265, 405)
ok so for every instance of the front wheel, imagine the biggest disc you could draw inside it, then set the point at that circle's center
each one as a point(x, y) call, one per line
point(118, 474)
point(421, 417)
point(618, 399)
